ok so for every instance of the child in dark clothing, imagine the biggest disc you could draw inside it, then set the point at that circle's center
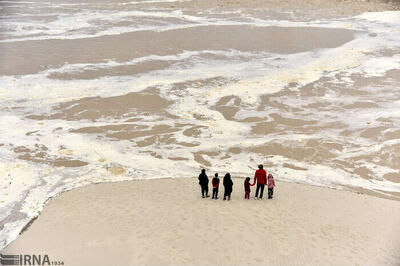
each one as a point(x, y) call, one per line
point(215, 184)
point(247, 188)
point(271, 185)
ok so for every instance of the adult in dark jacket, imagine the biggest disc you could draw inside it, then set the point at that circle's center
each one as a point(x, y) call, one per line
point(203, 182)
point(261, 178)
point(228, 184)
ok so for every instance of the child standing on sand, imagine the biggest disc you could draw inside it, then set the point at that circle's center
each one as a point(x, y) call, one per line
point(271, 184)
point(215, 184)
point(247, 188)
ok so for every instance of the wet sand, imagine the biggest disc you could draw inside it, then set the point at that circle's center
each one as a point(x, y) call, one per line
point(166, 222)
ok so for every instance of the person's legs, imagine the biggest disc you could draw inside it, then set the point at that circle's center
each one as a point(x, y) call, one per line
point(272, 192)
point(204, 191)
point(262, 191)
point(213, 193)
point(216, 193)
point(257, 189)
point(269, 193)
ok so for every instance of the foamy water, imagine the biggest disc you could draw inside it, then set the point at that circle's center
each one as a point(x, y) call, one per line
point(322, 114)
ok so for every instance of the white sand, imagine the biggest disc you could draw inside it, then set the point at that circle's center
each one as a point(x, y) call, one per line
point(166, 222)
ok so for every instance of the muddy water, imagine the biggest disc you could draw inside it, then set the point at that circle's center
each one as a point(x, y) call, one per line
point(108, 91)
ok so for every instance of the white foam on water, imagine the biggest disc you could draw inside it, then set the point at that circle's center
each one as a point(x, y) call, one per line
point(91, 23)
point(16, 2)
point(44, 91)
point(377, 67)
point(77, 25)
point(385, 17)
point(185, 55)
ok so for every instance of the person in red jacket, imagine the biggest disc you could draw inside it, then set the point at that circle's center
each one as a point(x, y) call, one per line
point(261, 178)
point(215, 184)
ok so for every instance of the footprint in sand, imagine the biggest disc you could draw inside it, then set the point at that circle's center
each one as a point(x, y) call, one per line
point(249, 242)
point(258, 260)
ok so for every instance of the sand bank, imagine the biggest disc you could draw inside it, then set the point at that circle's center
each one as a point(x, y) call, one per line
point(166, 222)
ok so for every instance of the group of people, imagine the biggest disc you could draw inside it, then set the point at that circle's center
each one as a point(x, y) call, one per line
point(260, 178)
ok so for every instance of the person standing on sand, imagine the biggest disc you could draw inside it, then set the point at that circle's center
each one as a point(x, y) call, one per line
point(261, 178)
point(247, 188)
point(271, 184)
point(203, 182)
point(215, 184)
point(228, 184)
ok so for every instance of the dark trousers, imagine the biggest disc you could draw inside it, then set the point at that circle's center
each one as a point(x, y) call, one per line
point(270, 192)
point(227, 193)
point(260, 186)
point(247, 194)
point(215, 192)
point(204, 190)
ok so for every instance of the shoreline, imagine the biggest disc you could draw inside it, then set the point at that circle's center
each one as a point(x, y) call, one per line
point(75, 201)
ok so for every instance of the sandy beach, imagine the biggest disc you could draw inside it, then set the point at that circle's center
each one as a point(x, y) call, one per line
point(166, 222)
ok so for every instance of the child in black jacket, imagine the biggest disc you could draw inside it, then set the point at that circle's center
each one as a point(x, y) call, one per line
point(215, 184)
